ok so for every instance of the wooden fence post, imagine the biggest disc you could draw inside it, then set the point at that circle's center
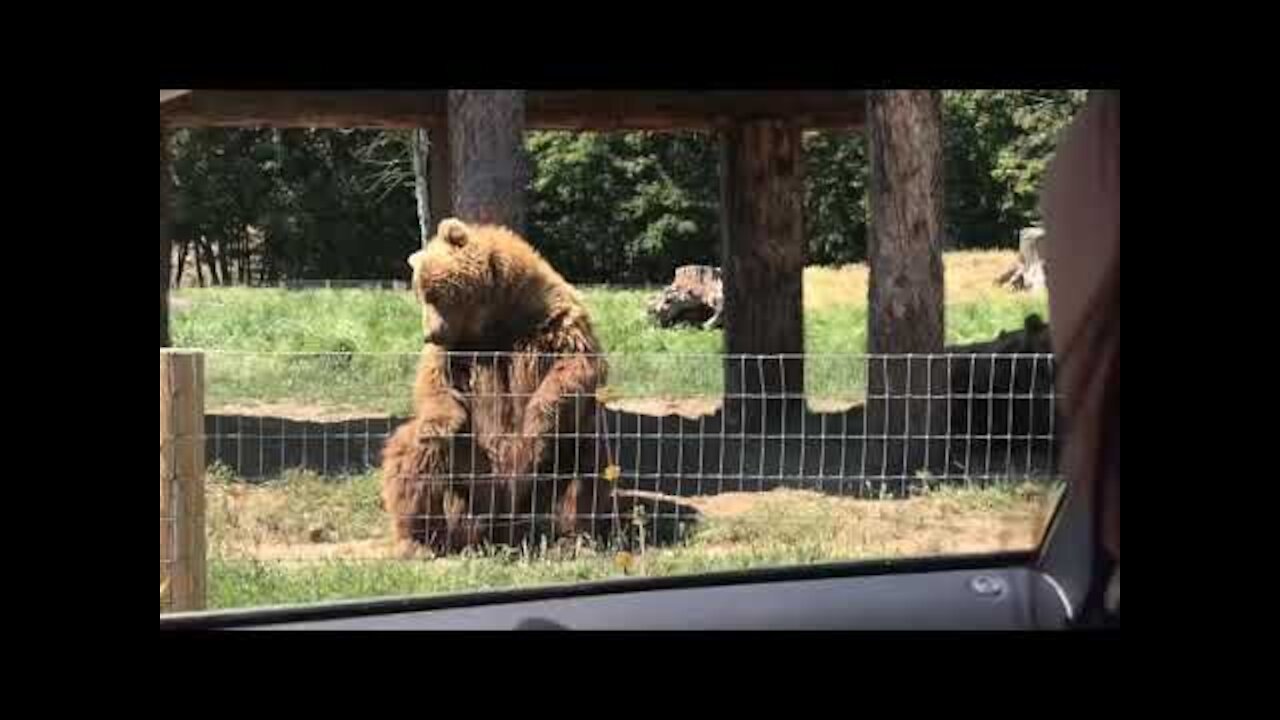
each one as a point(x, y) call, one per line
point(763, 258)
point(182, 541)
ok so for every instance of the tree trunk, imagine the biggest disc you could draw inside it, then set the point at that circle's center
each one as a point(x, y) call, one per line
point(905, 308)
point(763, 251)
point(199, 246)
point(165, 240)
point(420, 145)
point(211, 260)
point(486, 138)
point(224, 272)
point(264, 269)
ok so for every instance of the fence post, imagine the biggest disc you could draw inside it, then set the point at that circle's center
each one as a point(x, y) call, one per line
point(182, 541)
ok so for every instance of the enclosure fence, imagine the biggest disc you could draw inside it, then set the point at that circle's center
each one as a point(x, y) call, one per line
point(629, 438)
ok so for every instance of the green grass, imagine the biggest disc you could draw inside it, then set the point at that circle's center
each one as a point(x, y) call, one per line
point(247, 583)
point(372, 337)
point(264, 538)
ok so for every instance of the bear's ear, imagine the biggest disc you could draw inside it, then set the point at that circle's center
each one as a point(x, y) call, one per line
point(454, 231)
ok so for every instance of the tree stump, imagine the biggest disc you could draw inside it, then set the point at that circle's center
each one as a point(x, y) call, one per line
point(696, 295)
point(1027, 274)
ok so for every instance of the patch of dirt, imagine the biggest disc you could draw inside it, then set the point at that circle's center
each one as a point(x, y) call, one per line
point(298, 411)
point(690, 408)
point(891, 528)
point(728, 504)
point(831, 405)
point(693, 408)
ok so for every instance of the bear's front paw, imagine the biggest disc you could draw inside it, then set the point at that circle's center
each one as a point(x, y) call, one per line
point(443, 416)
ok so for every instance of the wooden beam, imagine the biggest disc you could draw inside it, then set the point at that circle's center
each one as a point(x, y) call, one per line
point(332, 109)
point(764, 257)
point(545, 109)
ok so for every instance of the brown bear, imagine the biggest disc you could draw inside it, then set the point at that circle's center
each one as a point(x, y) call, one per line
point(504, 399)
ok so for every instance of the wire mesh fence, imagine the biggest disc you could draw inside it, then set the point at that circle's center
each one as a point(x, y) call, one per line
point(528, 448)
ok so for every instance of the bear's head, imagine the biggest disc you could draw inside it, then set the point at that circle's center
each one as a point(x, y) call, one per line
point(454, 276)
point(481, 286)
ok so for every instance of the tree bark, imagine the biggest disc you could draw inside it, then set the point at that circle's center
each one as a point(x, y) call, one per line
point(763, 250)
point(165, 239)
point(486, 138)
point(905, 308)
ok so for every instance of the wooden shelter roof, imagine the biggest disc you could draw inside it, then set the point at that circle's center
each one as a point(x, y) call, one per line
point(599, 110)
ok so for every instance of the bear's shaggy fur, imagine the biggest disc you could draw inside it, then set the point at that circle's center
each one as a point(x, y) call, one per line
point(505, 390)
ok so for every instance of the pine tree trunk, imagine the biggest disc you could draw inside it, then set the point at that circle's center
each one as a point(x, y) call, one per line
point(905, 313)
point(486, 138)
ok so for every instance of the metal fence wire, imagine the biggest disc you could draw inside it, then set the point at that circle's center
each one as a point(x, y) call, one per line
point(519, 443)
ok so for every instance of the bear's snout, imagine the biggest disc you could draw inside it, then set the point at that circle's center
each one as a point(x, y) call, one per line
point(434, 329)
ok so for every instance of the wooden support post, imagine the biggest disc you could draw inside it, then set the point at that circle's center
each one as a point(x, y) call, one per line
point(486, 143)
point(440, 176)
point(182, 541)
point(165, 239)
point(763, 254)
point(906, 302)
